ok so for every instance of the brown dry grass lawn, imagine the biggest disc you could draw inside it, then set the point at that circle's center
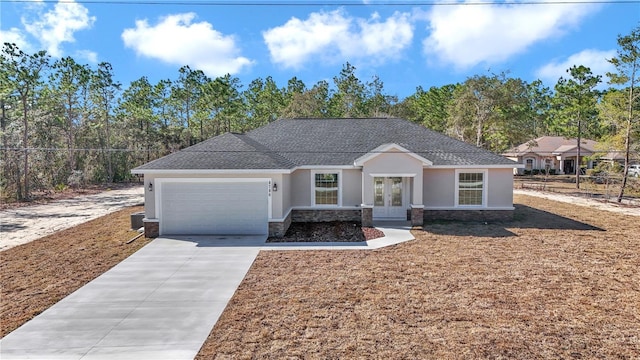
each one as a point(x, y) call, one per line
point(38, 274)
point(559, 281)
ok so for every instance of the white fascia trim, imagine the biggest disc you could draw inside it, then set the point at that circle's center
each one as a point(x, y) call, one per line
point(475, 166)
point(417, 206)
point(384, 149)
point(211, 180)
point(211, 171)
point(392, 175)
point(462, 208)
point(325, 167)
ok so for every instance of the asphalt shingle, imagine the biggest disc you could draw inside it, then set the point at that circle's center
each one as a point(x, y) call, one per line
point(287, 143)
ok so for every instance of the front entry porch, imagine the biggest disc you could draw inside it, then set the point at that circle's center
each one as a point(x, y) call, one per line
point(389, 198)
point(392, 184)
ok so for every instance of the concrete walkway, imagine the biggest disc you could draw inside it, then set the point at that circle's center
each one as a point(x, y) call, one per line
point(160, 303)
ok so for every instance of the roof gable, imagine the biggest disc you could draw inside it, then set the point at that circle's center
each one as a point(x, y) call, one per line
point(390, 148)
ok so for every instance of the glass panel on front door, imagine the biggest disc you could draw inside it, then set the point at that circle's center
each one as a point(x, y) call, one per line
point(388, 198)
point(396, 191)
point(378, 192)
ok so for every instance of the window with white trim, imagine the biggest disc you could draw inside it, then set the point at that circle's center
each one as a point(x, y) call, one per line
point(326, 189)
point(528, 164)
point(470, 187)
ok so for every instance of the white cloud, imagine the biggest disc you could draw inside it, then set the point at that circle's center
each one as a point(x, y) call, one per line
point(58, 25)
point(176, 39)
point(334, 37)
point(596, 60)
point(88, 55)
point(15, 36)
point(465, 36)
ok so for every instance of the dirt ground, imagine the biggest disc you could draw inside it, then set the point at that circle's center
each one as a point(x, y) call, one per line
point(559, 281)
point(564, 185)
point(38, 274)
point(21, 224)
point(590, 202)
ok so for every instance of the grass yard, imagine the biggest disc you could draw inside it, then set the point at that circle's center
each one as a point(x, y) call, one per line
point(560, 281)
point(38, 274)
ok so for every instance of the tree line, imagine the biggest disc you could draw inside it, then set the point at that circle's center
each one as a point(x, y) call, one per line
point(64, 123)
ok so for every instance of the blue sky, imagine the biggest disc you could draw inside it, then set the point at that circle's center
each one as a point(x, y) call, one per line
point(405, 45)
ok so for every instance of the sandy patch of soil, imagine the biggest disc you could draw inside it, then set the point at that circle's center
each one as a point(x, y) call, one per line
point(583, 201)
point(336, 231)
point(19, 225)
point(45, 197)
point(559, 281)
point(38, 274)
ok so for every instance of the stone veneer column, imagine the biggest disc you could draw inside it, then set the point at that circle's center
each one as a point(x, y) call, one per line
point(417, 215)
point(151, 228)
point(367, 215)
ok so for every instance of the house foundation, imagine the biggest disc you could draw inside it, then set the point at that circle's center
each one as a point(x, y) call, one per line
point(279, 228)
point(151, 228)
point(468, 215)
point(366, 217)
point(326, 215)
point(417, 215)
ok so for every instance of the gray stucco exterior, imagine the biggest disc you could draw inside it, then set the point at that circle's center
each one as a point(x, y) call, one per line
point(425, 175)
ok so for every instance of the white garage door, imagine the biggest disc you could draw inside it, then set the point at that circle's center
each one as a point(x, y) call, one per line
point(230, 207)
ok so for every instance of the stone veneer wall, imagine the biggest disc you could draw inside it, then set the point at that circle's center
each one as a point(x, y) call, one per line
point(367, 216)
point(151, 228)
point(468, 215)
point(417, 216)
point(279, 229)
point(326, 215)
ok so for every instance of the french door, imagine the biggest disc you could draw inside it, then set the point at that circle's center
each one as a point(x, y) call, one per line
point(388, 198)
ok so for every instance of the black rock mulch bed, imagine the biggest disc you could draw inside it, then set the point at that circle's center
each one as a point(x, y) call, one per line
point(337, 231)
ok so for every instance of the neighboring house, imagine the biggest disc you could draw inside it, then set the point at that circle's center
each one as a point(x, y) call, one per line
point(618, 157)
point(309, 170)
point(554, 153)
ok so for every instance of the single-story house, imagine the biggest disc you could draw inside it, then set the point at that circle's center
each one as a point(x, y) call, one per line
point(554, 153)
point(618, 156)
point(310, 170)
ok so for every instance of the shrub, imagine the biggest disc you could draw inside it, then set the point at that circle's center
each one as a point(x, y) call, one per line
point(76, 179)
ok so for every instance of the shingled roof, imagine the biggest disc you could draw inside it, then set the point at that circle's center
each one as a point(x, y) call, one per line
point(551, 145)
point(290, 143)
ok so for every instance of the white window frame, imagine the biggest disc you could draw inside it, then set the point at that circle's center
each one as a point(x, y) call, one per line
point(313, 187)
point(533, 163)
point(485, 180)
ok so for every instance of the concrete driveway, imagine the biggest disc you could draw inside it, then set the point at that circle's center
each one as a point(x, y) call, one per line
point(160, 303)
point(25, 224)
